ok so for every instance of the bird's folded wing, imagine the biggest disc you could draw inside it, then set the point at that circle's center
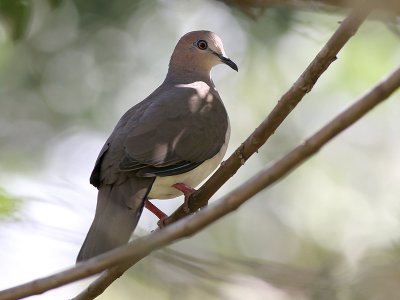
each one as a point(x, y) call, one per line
point(178, 131)
point(171, 132)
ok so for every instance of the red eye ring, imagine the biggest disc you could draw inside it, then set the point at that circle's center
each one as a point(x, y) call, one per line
point(202, 44)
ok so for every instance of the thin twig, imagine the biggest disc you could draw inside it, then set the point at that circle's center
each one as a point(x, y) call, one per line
point(141, 247)
point(285, 105)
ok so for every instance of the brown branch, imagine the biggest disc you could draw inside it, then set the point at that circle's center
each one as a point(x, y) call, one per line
point(139, 248)
point(303, 85)
point(98, 286)
point(284, 106)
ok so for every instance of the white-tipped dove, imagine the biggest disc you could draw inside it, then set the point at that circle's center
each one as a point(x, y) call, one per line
point(162, 146)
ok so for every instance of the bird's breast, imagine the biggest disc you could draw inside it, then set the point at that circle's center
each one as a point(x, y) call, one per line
point(162, 186)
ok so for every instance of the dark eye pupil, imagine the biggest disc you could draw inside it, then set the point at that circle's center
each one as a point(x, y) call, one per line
point(202, 45)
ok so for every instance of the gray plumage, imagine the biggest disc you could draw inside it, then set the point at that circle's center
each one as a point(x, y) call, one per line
point(177, 134)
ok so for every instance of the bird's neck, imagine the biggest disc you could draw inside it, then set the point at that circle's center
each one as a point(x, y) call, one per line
point(188, 74)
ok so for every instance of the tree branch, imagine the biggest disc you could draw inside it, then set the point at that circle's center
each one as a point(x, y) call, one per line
point(139, 248)
point(227, 169)
point(285, 105)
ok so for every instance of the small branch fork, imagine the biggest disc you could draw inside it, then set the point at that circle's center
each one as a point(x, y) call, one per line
point(140, 248)
point(127, 255)
point(120, 259)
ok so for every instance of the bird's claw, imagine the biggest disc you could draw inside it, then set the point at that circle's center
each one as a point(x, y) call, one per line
point(187, 191)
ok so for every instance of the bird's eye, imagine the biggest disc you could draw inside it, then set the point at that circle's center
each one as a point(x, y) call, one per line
point(202, 44)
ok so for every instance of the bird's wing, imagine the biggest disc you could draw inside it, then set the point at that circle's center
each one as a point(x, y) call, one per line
point(171, 132)
point(180, 128)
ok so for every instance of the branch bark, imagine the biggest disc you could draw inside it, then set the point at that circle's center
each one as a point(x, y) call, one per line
point(285, 105)
point(227, 169)
point(303, 85)
point(141, 247)
point(267, 176)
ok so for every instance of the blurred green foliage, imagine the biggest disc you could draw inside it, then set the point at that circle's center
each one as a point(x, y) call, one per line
point(15, 14)
point(8, 204)
point(70, 69)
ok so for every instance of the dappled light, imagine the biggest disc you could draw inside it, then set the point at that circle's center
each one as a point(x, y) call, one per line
point(328, 229)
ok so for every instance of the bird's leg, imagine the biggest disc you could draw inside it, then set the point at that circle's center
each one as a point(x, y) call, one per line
point(187, 191)
point(155, 210)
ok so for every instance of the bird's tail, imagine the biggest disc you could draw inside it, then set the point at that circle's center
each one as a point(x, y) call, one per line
point(118, 210)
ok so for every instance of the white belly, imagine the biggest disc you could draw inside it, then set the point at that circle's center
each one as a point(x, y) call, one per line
point(162, 186)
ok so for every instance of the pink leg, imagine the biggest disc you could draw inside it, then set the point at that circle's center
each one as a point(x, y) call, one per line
point(155, 210)
point(187, 191)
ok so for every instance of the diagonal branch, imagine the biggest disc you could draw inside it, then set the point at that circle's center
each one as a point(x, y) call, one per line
point(264, 178)
point(140, 248)
point(145, 245)
point(285, 105)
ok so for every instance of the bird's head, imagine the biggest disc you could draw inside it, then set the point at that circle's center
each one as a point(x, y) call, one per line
point(199, 51)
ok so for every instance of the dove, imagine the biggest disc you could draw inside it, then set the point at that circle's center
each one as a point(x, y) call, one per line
point(162, 147)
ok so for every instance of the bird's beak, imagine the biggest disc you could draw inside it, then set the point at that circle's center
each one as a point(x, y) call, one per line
point(226, 61)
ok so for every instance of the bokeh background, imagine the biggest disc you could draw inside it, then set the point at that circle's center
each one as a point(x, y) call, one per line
point(70, 69)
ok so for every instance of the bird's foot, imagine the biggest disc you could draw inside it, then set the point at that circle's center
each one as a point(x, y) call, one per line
point(187, 191)
point(155, 210)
